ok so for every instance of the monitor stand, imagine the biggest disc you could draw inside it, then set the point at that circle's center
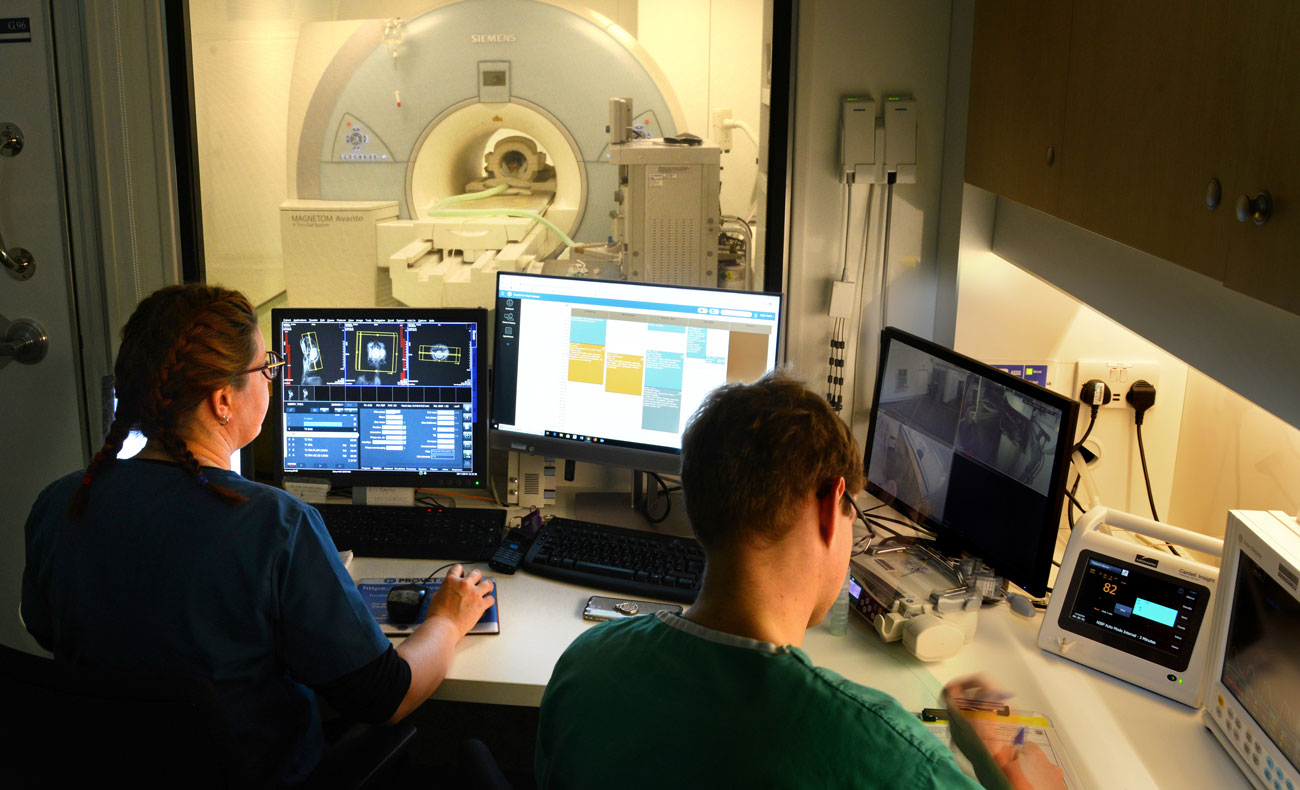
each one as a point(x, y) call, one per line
point(628, 509)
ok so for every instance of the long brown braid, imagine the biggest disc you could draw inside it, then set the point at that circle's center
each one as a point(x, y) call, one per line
point(181, 344)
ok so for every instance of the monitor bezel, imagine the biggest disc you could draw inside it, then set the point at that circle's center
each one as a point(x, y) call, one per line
point(644, 459)
point(477, 481)
point(1033, 579)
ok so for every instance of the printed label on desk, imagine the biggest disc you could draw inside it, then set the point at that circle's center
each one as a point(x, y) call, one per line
point(375, 593)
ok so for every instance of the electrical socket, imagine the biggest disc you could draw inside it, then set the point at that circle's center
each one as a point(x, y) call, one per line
point(1119, 376)
point(722, 132)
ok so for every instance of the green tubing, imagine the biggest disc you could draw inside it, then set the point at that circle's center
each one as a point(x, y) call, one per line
point(503, 212)
point(487, 193)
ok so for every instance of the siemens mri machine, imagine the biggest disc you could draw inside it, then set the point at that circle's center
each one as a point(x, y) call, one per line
point(484, 135)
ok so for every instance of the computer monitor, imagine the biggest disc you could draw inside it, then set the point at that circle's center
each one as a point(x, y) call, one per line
point(1254, 675)
point(381, 396)
point(240, 460)
point(971, 453)
point(609, 372)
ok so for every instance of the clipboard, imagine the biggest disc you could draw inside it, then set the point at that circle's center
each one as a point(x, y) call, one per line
point(974, 755)
point(375, 594)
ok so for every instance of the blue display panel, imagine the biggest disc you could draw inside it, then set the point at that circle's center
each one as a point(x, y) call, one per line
point(383, 397)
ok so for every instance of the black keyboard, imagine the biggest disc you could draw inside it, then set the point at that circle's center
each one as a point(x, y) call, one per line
point(417, 533)
point(627, 561)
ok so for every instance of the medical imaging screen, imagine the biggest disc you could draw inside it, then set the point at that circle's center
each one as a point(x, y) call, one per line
point(965, 455)
point(1261, 664)
point(379, 394)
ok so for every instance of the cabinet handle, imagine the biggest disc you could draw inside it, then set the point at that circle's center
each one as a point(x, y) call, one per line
point(1258, 208)
point(1051, 155)
point(1213, 194)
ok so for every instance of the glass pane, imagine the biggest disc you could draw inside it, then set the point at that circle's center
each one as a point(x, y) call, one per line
point(379, 153)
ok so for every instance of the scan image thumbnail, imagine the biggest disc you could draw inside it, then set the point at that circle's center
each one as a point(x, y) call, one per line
point(375, 354)
point(441, 354)
point(315, 354)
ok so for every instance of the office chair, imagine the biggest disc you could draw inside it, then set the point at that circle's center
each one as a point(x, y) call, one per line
point(72, 724)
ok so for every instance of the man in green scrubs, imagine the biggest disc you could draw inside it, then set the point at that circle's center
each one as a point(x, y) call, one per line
point(722, 696)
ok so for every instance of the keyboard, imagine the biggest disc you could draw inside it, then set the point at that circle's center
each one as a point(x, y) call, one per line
point(627, 561)
point(417, 533)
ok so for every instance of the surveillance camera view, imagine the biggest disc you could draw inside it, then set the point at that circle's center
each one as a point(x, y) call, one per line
point(964, 452)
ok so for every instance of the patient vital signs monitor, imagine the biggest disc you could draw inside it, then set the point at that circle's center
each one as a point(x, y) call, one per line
point(609, 372)
point(971, 453)
point(374, 396)
point(1252, 701)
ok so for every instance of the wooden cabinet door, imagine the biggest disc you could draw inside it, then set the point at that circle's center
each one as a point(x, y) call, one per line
point(1264, 261)
point(1019, 63)
point(1145, 130)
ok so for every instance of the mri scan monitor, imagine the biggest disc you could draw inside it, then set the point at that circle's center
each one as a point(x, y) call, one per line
point(382, 396)
point(609, 371)
point(971, 453)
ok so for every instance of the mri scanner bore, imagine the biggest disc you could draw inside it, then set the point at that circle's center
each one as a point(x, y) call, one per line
point(424, 157)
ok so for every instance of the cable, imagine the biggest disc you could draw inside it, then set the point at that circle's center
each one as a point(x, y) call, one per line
point(664, 490)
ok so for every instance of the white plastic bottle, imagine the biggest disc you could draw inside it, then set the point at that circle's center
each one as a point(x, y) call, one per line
point(837, 620)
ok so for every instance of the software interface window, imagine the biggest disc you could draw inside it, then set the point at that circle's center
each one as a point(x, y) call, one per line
point(382, 395)
point(625, 364)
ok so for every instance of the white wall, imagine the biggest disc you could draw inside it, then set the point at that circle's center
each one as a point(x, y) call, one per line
point(874, 47)
point(1231, 454)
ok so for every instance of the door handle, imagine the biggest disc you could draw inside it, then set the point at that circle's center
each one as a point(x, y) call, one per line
point(24, 341)
point(18, 262)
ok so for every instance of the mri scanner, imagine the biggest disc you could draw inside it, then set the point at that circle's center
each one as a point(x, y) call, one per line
point(424, 156)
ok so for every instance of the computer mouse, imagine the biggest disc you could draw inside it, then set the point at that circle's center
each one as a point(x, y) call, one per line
point(405, 601)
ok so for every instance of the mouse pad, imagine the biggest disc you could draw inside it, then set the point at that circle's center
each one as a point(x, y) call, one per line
point(375, 593)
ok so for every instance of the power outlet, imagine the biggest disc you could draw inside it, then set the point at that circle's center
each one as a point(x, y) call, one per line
point(721, 131)
point(1119, 376)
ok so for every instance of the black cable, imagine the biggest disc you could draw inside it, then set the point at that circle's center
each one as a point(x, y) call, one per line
point(1142, 453)
point(1092, 420)
point(429, 578)
point(1146, 478)
point(1074, 503)
point(664, 491)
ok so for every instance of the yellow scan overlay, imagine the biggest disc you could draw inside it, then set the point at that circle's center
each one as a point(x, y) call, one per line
point(623, 373)
point(361, 360)
point(440, 353)
point(310, 351)
point(586, 363)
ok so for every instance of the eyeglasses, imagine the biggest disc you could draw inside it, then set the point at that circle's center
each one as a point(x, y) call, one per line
point(272, 367)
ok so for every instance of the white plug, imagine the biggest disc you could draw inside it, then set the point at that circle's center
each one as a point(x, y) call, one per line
point(722, 129)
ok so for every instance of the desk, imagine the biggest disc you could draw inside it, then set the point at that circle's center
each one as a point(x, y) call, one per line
point(1118, 736)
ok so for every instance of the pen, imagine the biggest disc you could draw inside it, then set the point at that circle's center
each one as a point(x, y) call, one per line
point(1017, 743)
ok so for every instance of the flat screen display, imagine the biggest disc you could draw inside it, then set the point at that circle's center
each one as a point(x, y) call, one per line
point(611, 371)
point(375, 396)
point(1143, 612)
point(971, 453)
point(1261, 663)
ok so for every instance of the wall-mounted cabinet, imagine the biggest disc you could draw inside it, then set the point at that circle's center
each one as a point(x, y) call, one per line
point(1164, 107)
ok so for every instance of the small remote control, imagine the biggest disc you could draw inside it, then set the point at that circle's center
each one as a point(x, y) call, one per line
point(511, 552)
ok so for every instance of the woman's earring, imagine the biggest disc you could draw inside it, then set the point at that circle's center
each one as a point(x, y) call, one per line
point(224, 420)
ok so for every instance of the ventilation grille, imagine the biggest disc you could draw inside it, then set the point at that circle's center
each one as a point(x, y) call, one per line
point(672, 252)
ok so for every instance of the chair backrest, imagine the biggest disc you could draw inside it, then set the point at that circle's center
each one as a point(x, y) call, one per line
point(147, 729)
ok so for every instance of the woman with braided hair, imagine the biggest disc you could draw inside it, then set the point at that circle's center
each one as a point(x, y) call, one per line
point(170, 561)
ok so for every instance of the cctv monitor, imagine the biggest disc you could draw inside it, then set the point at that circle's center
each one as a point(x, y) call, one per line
point(971, 453)
point(610, 371)
point(381, 396)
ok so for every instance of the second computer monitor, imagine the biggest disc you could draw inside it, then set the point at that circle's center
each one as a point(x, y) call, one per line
point(382, 396)
point(609, 372)
point(972, 453)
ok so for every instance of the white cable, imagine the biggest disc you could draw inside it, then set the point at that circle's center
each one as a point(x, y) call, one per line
point(742, 126)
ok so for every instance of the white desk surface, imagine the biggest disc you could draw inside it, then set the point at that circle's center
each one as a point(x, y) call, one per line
point(1117, 735)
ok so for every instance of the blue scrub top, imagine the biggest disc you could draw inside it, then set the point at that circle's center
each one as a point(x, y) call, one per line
point(161, 574)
